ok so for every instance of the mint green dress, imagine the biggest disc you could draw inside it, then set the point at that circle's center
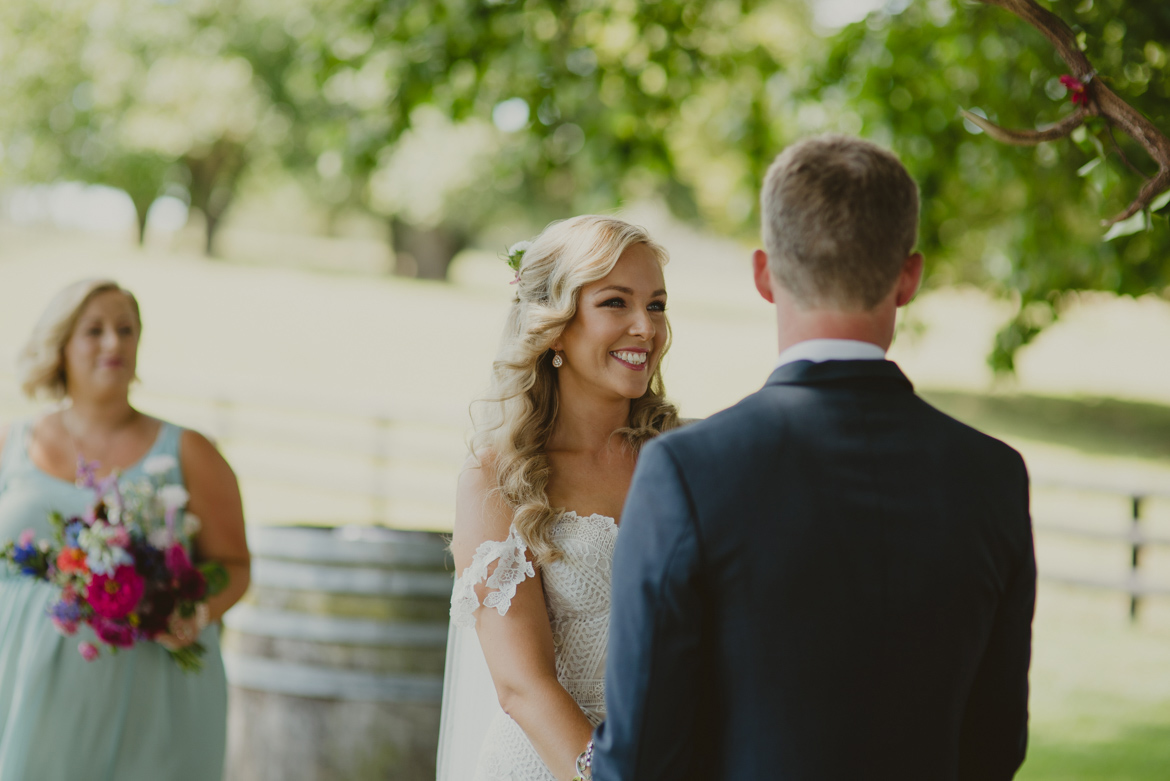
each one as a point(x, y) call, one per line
point(134, 716)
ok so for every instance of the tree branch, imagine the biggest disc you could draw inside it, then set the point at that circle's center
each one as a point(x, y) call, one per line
point(1102, 102)
point(1028, 137)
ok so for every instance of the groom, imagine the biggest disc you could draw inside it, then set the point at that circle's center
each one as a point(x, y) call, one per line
point(831, 579)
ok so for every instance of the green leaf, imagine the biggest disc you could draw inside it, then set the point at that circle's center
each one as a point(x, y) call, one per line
point(216, 575)
point(1127, 227)
point(1160, 202)
point(1085, 169)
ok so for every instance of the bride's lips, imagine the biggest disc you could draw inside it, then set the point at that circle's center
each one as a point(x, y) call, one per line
point(632, 352)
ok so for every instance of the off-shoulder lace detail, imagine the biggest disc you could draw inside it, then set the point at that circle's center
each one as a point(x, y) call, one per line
point(510, 572)
point(577, 598)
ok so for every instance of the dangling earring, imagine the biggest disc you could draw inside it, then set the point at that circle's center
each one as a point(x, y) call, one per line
point(558, 361)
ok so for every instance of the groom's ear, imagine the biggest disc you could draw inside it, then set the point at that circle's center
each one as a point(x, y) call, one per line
point(763, 275)
point(910, 279)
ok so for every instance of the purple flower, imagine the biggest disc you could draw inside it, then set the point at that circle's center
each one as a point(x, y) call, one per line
point(72, 529)
point(68, 612)
point(29, 558)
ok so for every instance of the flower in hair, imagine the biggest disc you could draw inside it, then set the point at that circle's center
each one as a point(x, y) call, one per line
point(516, 256)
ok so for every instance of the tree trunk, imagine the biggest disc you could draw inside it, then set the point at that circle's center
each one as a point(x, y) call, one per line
point(424, 253)
point(213, 179)
point(141, 209)
point(211, 225)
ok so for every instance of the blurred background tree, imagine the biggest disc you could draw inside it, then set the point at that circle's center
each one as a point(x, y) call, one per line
point(147, 97)
point(1024, 222)
point(576, 107)
point(445, 120)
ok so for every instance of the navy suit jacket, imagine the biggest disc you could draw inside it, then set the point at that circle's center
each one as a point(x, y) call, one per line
point(829, 580)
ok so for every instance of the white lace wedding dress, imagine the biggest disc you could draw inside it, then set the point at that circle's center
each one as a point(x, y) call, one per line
point(478, 741)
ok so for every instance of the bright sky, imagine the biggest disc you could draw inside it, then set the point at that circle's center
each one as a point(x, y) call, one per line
point(833, 14)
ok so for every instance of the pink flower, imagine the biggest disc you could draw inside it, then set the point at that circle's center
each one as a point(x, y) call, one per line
point(115, 597)
point(119, 537)
point(65, 627)
point(177, 560)
point(113, 633)
point(88, 651)
point(1077, 88)
point(26, 537)
point(189, 582)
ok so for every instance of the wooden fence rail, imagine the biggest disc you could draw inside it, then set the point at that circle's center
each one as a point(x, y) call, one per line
point(1135, 536)
point(403, 464)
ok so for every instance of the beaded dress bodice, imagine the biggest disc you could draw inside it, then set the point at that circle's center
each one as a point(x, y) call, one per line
point(577, 598)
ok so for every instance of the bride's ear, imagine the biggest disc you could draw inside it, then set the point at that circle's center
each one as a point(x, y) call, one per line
point(763, 275)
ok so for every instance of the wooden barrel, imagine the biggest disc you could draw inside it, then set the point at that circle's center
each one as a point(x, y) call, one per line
point(335, 656)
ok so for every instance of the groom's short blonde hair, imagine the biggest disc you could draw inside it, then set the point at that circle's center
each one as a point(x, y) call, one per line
point(840, 217)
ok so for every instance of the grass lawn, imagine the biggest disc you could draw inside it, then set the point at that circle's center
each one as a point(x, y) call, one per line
point(1100, 690)
point(1099, 426)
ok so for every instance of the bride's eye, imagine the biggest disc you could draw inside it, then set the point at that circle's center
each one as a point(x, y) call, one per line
point(614, 302)
point(657, 306)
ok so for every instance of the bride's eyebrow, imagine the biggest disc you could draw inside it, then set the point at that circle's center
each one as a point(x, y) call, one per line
point(630, 292)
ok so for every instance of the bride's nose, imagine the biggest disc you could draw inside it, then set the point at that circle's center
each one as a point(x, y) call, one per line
point(643, 326)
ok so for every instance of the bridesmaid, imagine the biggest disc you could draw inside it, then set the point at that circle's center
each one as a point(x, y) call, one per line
point(135, 715)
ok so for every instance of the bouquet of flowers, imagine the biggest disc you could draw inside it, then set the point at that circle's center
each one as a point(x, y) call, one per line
point(123, 566)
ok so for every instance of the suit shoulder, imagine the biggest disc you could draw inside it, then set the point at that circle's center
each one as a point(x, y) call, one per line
point(972, 439)
point(710, 433)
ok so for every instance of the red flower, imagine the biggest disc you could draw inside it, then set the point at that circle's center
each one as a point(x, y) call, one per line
point(72, 560)
point(177, 560)
point(115, 597)
point(113, 633)
point(1077, 88)
point(190, 584)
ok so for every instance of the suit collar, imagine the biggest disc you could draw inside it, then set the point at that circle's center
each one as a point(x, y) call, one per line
point(865, 372)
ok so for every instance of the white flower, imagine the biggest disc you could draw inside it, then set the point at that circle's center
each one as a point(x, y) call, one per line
point(191, 525)
point(159, 465)
point(173, 496)
point(520, 246)
point(161, 538)
point(102, 556)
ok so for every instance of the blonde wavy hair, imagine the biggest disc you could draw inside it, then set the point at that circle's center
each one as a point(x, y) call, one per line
point(520, 409)
point(41, 363)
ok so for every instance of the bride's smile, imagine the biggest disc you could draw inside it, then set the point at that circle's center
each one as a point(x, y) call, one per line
point(632, 357)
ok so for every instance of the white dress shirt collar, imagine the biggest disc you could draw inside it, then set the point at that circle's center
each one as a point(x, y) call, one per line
point(818, 350)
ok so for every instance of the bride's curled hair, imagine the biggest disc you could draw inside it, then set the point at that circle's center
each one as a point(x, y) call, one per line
point(514, 422)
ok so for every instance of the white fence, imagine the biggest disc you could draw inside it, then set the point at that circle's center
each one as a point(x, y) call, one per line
point(331, 461)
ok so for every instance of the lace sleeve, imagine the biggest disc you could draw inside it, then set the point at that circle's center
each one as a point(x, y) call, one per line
point(511, 570)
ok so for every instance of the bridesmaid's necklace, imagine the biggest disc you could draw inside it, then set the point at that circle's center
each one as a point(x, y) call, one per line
point(78, 453)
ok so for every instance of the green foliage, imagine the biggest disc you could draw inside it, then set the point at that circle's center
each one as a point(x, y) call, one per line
point(1023, 222)
point(135, 94)
point(589, 103)
point(216, 575)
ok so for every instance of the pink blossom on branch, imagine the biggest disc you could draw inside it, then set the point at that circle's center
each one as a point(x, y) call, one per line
point(1076, 89)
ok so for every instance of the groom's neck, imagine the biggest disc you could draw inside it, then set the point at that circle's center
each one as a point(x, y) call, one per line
point(796, 323)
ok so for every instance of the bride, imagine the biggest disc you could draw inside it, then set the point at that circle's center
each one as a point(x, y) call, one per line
point(576, 390)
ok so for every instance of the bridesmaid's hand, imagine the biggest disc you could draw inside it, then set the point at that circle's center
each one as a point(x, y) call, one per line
point(184, 631)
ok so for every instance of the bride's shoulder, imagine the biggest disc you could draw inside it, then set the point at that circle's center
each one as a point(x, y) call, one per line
point(481, 514)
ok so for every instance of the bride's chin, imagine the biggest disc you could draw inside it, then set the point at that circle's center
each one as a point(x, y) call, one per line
point(633, 394)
